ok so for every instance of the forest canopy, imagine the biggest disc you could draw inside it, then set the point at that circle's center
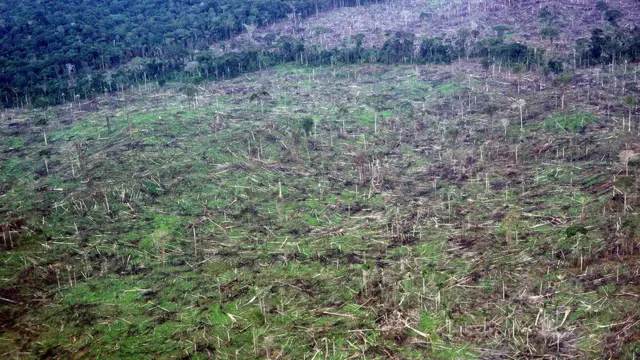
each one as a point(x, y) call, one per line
point(52, 52)
point(49, 47)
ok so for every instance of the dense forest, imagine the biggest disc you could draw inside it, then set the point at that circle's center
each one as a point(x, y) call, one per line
point(52, 51)
point(55, 52)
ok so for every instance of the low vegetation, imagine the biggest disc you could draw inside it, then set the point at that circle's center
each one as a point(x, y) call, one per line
point(459, 201)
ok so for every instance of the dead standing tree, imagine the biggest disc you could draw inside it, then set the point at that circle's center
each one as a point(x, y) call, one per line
point(519, 104)
point(251, 29)
point(631, 103)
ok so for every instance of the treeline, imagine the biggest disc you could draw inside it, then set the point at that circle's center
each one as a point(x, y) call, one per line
point(44, 69)
point(50, 48)
point(608, 47)
point(400, 48)
point(611, 45)
point(406, 48)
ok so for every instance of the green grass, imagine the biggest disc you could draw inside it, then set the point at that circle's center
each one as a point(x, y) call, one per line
point(322, 267)
point(568, 122)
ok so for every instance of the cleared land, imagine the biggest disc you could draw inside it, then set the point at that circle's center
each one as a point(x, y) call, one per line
point(403, 222)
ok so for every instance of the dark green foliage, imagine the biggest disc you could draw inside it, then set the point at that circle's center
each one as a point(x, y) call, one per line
point(615, 43)
point(513, 53)
point(398, 49)
point(437, 51)
point(307, 125)
point(629, 101)
point(358, 38)
point(633, 47)
point(153, 189)
point(500, 31)
point(634, 163)
point(549, 32)
point(546, 16)
point(597, 43)
point(631, 224)
point(426, 16)
point(574, 230)
point(122, 54)
point(190, 91)
point(517, 68)
point(42, 121)
point(463, 36)
point(53, 48)
point(563, 80)
point(508, 53)
point(572, 122)
point(491, 110)
point(612, 16)
point(602, 5)
point(486, 63)
point(197, 80)
point(405, 109)
point(624, 182)
point(554, 66)
point(379, 103)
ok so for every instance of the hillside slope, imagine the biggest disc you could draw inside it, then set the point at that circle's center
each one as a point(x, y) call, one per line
point(459, 209)
point(574, 20)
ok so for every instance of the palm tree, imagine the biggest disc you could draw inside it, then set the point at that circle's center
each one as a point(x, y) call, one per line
point(505, 125)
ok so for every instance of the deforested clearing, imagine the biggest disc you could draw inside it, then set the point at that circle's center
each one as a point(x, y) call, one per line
point(323, 180)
